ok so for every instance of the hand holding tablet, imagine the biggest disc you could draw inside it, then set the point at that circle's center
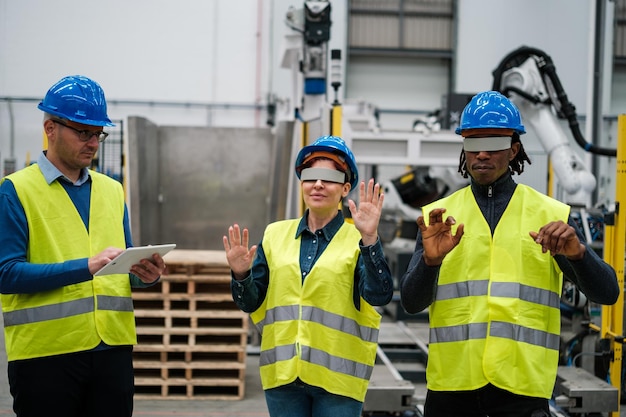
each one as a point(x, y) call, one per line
point(122, 263)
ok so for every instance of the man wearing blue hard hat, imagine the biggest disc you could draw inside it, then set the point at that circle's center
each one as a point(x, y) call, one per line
point(311, 286)
point(68, 333)
point(489, 263)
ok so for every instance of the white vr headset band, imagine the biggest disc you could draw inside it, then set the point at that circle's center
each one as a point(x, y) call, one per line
point(324, 174)
point(490, 143)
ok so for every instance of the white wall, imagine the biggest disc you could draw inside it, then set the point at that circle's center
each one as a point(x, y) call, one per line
point(490, 29)
point(144, 49)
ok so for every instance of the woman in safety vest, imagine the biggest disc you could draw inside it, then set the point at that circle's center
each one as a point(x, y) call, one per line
point(311, 286)
point(493, 282)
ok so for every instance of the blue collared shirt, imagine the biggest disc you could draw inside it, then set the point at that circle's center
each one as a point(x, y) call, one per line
point(372, 275)
point(17, 276)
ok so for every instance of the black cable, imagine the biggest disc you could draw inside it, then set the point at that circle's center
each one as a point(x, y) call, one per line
point(547, 68)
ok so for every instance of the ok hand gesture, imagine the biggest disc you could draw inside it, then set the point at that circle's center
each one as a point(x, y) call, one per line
point(437, 238)
point(559, 238)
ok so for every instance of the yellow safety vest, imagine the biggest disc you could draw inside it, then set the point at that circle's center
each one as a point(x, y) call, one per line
point(312, 330)
point(76, 317)
point(496, 317)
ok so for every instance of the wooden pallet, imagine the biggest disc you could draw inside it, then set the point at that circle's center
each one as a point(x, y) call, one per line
point(191, 336)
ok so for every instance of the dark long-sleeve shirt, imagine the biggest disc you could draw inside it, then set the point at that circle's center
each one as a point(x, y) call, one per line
point(594, 277)
point(372, 274)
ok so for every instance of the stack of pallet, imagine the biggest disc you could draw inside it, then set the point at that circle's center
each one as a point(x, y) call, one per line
point(191, 336)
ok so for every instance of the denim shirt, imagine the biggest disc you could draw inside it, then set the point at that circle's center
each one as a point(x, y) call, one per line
point(372, 276)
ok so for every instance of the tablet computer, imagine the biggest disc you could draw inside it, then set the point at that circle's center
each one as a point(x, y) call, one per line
point(121, 263)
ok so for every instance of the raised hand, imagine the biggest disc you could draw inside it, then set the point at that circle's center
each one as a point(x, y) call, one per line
point(437, 237)
point(367, 216)
point(559, 238)
point(238, 255)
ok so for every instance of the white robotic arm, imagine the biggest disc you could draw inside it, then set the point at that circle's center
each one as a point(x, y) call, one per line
point(570, 170)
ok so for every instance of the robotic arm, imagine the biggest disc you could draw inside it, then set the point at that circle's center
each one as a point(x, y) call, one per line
point(529, 78)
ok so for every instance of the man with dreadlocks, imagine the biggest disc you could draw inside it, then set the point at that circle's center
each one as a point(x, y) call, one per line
point(493, 280)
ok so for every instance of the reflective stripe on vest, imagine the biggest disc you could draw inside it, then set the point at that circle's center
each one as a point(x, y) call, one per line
point(524, 334)
point(330, 320)
point(316, 357)
point(67, 309)
point(497, 329)
point(506, 330)
point(498, 289)
point(526, 293)
point(312, 330)
point(49, 312)
point(496, 312)
point(458, 333)
point(108, 302)
point(282, 313)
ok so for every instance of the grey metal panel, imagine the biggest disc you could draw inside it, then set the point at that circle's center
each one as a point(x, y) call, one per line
point(620, 40)
point(142, 178)
point(428, 33)
point(386, 393)
point(376, 5)
point(374, 32)
point(281, 170)
point(579, 391)
point(190, 183)
point(428, 6)
point(619, 43)
point(407, 24)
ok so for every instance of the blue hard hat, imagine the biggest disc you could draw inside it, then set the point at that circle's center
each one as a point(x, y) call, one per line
point(335, 145)
point(79, 99)
point(490, 110)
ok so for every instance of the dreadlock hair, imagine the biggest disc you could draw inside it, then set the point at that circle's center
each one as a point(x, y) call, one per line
point(516, 165)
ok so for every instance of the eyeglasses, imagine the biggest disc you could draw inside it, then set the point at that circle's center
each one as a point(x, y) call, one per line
point(84, 135)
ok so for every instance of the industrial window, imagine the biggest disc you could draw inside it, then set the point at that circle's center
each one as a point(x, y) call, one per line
point(402, 27)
